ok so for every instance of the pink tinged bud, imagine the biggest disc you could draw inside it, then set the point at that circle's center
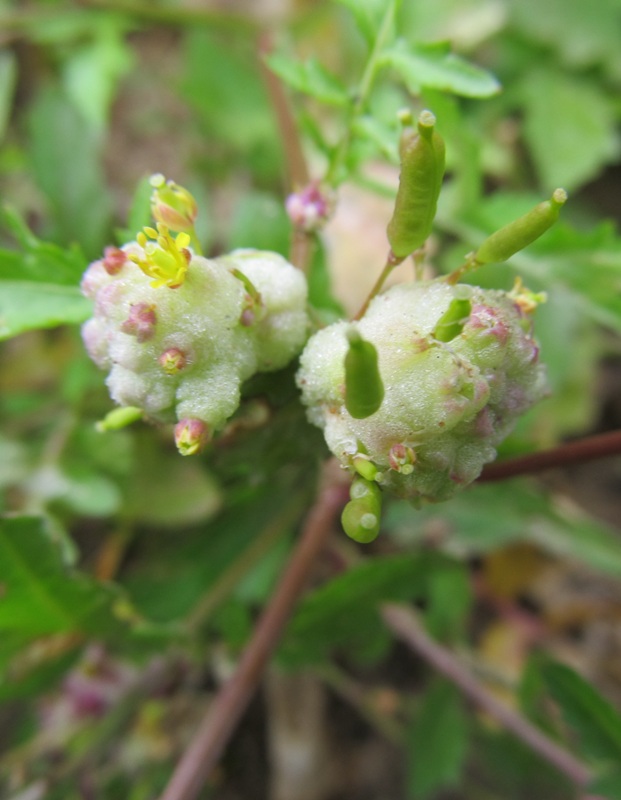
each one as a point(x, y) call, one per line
point(248, 317)
point(114, 259)
point(486, 319)
point(173, 360)
point(310, 208)
point(402, 459)
point(141, 321)
point(172, 205)
point(191, 436)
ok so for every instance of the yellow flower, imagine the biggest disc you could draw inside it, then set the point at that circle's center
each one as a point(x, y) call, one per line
point(163, 258)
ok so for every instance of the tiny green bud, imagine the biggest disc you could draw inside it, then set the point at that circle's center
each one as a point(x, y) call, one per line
point(119, 418)
point(364, 467)
point(422, 170)
point(452, 322)
point(364, 390)
point(522, 231)
point(360, 521)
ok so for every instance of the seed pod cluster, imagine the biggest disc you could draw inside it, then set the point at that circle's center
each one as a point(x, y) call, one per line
point(361, 516)
point(458, 365)
point(181, 354)
point(422, 155)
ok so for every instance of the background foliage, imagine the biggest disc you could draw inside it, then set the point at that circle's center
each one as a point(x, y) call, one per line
point(119, 559)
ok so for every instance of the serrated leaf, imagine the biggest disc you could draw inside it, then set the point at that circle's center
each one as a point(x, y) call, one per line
point(596, 722)
point(437, 742)
point(40, 595)
point(29, 305)
point(309, 77)
point(570, 126)
point(434, 67)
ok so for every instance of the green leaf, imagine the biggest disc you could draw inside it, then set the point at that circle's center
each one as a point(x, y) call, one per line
point(596, 722)
point(139, 212)
point(471, 524)
point(65, 156)
point(368, 15)
point(92, 73)
point(449, 599)
point(437, 742)
point(607, 784)
point(570, 126)
point(434, 67)
point(40, 595)
point(29, 305)
point(8, 76)
point(260, 222)
point(309, 77)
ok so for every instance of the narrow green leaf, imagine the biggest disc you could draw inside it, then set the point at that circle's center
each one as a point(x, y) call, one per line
point(437, 742)
point(8, 75)
point(29, 305)
point(40, 595)
point(595, 721)
point(309, 77)
point(433, 67)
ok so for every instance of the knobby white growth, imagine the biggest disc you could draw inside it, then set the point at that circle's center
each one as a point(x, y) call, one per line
point(447, 404)
point(180, 346)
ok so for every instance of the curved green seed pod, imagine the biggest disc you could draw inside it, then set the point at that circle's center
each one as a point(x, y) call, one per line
point(452, 322)
point(364, 390)
point(119, 418)
point(361, 516)
point(422, 170)
point(521, 232)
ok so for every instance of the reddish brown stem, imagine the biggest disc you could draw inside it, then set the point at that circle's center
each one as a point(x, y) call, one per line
point(587, 449)
point(232, 700)
point(404, 623)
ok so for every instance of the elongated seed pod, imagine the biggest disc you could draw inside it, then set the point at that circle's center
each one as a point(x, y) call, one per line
point(422, 170)
point(523, 231)
point(364, 390)
point(361, 516)
point(452, 322)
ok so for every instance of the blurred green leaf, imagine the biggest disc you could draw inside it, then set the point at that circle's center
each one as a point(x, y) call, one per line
point(437, 742)
point(607, 784)
point(65, 157)
point(40, 595)
point(368, 14)
point(570, 127)
point(8, 77)
point(596, 722)
point(28, 305)
point(449, 600)
point(487, 516)
point(92, 73)
point(309, 77)
point(260, 222)
point(435, 67)
point(139, 212)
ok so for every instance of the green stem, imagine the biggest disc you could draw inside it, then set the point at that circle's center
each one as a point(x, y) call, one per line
point(361, 96)
point(391, 262)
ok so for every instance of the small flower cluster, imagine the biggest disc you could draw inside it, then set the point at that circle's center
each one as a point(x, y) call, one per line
point(180, 333)
point(458, 365)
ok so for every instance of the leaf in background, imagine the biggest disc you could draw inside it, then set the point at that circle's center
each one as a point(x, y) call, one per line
point(485, 517)
point(570, 126)
point(596, 722)
point(139, 212)
point(437, 742)
point(309, 77)
point(40, 595)
point(320, 294)
point(435, 67)
point(8, 75)
point(93, 72)
point(368, 15)
point(449, 600)
point(65, 157)
point(260, 222)
point(29, 305)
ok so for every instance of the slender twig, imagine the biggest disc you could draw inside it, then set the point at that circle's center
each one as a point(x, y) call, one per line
point(404, 623)
point(232, 700)
point(588, 449)
point(391, 262)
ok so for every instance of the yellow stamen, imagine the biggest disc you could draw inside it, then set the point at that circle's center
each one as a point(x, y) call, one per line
point(163, 258)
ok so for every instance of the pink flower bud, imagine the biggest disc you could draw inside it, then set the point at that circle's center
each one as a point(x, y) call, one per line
point(141, 321)
point(310, 208)
point(191, 436)
point(402, 459)
point(173, 360)
point(113, 260)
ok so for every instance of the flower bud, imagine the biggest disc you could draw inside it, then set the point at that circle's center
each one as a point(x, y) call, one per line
point(114, 259)
point(172, 205)
point(191, 436)
point(310, 208)
point(173, 360)
point(141, 321)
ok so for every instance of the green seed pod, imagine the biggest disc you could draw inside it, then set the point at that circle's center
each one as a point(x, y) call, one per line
point(364, 390)
point(452, 322)
point(361, 516)
point(422, 170)
point(119, 418)
point(521, 232)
